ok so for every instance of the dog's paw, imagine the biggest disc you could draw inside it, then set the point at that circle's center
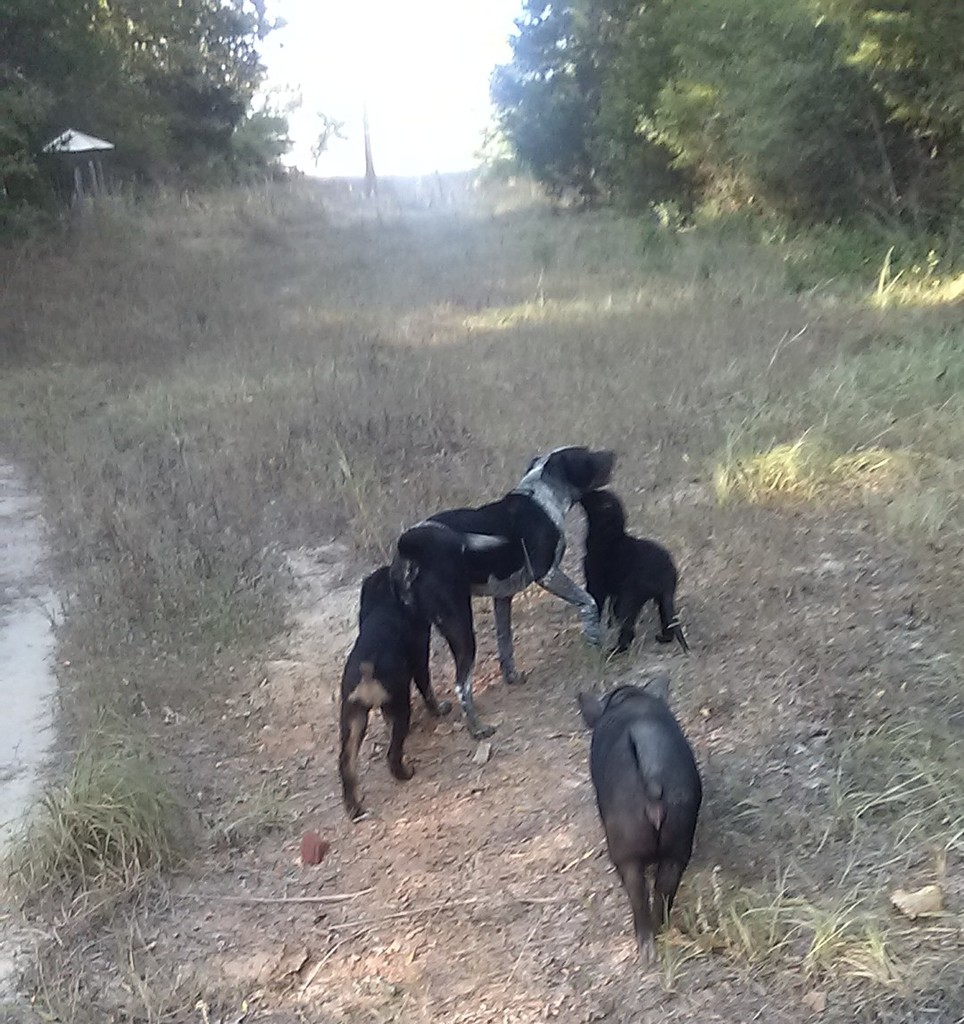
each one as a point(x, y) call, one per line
point(481, 732)
point(665, 638)
point(356, 813)
point(443, 707)
point(403, 772)
point(515, 678)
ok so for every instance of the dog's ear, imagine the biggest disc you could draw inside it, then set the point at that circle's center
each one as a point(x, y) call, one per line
point(375, 587)
point(591, 708)
point(658, 686)
point(585, 470)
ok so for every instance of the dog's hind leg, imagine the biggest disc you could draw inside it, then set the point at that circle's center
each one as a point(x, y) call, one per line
point(354, 722)
point(670, 628)
point(399, 714)
point(502, 606)
point(458, 633)
point(423, 679)
point(626, 612)
point(558, 583)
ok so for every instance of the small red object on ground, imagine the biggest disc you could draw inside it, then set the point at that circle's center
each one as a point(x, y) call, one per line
point(313, 848)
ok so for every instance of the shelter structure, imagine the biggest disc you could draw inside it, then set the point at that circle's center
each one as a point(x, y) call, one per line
point(81, 153)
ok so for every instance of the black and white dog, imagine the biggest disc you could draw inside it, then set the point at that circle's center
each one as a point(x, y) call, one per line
point(498, 550)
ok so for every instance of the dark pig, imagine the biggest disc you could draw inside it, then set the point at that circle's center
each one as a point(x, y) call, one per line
point(648, 791)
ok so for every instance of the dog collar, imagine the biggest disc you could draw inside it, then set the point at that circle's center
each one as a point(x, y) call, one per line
point(546, 497)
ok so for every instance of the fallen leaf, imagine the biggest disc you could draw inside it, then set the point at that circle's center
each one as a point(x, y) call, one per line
point(291, 960)
point(482, 752)
point(920, 903)
point(817, 1001)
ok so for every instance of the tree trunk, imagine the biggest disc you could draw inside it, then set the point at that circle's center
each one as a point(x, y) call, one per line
point(371, 182)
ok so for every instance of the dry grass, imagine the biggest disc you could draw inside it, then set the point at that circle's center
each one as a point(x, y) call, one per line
point(207, 382)
point(111, 825)
point(807, 470)
point(771, 925)
point(909, 776)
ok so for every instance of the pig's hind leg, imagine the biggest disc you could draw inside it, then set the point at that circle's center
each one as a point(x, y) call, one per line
point(633, 875)
point(668, 875)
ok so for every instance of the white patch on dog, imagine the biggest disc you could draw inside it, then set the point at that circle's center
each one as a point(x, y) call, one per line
point(544, 494)
point(511, 585)
point(483, 541)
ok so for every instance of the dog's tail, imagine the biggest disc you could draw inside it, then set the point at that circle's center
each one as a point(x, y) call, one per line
point(677, 630)
point(413, 549)
point(672, 627)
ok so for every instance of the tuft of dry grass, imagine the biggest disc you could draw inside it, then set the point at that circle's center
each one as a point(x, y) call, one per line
point(112, 824)
point(908, 776)
point(253, 815)
point(809, 469)
point(847, 936)
point(144, 987)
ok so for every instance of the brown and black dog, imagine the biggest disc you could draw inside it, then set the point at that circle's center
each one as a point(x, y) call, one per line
point(391, 651)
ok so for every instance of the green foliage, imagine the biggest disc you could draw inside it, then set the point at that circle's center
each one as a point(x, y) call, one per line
point(760, 107)
point(815, 110)
point(911, 55)
point(329, 128)
point(634, 64)
point(170, 82)
point(260, 141)
point(547, 98)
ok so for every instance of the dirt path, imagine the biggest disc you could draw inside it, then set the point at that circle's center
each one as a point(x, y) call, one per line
point(483, 889)
point(26, 677)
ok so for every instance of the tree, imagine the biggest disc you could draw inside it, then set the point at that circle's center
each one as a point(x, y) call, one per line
point(635, 56)
point(330, 129)
point(170, 82)
point(547, 98)
point(910, 53)
point(759, 106)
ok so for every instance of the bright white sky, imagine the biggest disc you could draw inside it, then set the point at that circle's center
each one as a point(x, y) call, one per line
point(423, 66)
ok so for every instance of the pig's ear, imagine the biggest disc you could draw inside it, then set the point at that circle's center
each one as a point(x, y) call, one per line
point(591, 708)
point(658, 686)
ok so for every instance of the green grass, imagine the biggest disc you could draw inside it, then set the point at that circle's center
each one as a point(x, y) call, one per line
point(882, 422)
point(907, 776)
point(110, 826)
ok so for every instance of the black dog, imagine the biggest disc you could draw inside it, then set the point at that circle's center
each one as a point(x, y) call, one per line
point(649, 792)
point(392, 649)
point(498, 550)
point(627, 571)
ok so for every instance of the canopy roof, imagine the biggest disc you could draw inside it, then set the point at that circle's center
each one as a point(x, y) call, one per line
point(73, 141)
